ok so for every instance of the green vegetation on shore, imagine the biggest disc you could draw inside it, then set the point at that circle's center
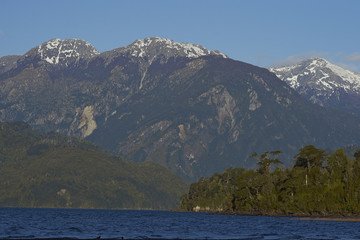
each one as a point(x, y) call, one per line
point(51, 170)
point(318, 184)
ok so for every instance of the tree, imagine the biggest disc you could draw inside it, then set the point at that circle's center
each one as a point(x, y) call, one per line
point(266, 160)
point(357, 155)
point(338, 162)
point(309, 157)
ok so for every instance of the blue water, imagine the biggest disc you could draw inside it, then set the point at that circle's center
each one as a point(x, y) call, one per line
point(131, 224)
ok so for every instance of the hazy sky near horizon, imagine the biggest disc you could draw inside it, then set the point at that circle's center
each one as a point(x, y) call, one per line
point(261, 32)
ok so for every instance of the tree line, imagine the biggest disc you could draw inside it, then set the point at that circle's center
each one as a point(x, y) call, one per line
point(318, 184)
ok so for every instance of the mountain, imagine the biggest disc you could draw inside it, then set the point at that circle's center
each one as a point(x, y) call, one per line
point(192, 110)
point(51, 170)
point(323, 83)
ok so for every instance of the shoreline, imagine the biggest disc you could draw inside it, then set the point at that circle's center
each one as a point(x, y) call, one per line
point(334, 217)
point(326, 219)
point(98, 238)
point(295, 216)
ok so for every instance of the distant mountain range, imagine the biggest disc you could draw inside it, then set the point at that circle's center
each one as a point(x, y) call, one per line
point(323, 83)
point(192, 110)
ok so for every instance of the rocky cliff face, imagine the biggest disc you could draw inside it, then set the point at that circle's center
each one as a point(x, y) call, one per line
point(192, 110)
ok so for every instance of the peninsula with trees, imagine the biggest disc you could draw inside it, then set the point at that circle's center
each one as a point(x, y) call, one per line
point(318, 184)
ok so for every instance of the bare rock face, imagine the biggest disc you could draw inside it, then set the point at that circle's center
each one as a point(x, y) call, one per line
point(225, 106)
point(190, 109)
point(87, 124)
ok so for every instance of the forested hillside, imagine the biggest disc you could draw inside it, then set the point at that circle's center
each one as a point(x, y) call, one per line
point(318, 184)
point(51, 170)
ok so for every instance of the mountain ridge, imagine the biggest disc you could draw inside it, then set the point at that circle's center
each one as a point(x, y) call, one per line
point(193, 115)
point(56, 50)
point(149, 47)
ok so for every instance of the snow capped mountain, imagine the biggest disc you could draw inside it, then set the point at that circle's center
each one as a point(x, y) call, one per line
point(323, 83)
point(57, 51)
point(155, 46)
point(318, 73)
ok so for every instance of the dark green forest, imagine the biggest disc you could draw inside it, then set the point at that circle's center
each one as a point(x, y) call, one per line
point(318, 184)
point(51, 170)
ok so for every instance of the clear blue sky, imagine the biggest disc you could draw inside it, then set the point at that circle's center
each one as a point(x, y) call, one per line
point(264, 33)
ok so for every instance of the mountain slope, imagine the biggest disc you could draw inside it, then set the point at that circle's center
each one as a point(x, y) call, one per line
point(192, 110)
point(196, 123)
point(8, 62)
point(323, 83)
point(50, 170)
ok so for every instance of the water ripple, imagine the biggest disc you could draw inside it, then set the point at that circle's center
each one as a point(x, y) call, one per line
point(19, 223)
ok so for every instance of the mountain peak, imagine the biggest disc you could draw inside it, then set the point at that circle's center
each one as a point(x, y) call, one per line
point(57, 51)
point(316, 61)
point(319, 74)
point(154, 46)
point(323, 83)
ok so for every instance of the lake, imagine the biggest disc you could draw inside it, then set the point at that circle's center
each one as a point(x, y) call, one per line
point(31, 223)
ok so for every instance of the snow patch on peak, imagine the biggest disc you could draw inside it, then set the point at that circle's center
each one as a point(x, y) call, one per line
point(57, 51)
point(318, 61)
point(345, 74)
point(54, 43)
point(348, 79)
point(156, 45)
